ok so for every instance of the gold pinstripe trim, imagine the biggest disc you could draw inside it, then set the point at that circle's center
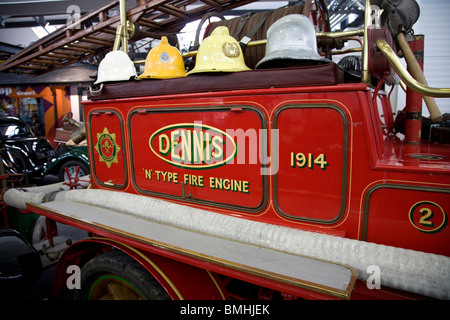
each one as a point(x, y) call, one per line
point(153, 264)
point(342, 294)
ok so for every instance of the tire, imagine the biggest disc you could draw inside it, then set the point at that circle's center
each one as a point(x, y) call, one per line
point(116, 276)
point(72, 167)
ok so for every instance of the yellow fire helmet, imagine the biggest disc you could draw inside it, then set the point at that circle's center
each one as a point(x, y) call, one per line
point(163, 62)
point(219, 52)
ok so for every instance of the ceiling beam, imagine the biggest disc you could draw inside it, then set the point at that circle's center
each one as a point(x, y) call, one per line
point(24, 8)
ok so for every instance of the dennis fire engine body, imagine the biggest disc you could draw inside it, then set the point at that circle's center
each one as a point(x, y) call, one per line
point(292, 182)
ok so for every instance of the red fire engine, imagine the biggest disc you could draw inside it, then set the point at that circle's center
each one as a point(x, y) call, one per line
point(275, 181)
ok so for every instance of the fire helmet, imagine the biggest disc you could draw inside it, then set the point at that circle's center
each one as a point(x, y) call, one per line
point(115, 66)
point(163, 61)
point(219, 52)
point(291, 38)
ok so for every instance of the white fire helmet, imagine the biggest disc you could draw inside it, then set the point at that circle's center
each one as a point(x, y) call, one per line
point(115, 66)
point(291, 37)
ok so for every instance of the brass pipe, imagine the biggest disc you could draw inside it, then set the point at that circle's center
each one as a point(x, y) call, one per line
point(250, 44)
point(340, 34)
point(349, 50)
point(406, 77)
point(361, 42)
point(118, 38)
point(123, 22)
point(257, 43)
point(402, 85)
point(122, 32)
point(322, 35)
point(365, 76)
point(417, 73)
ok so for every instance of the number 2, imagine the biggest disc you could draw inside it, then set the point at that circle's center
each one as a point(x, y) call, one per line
point(427, 214)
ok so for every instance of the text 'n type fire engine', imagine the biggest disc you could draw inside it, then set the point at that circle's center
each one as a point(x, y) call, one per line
point(282, 172)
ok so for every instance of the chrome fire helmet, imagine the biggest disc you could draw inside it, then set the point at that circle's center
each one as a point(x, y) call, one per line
point(291, 37)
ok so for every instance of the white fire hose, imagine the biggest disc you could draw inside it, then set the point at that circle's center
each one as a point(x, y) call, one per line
point(413, 271)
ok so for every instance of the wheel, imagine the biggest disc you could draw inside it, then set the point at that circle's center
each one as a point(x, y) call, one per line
point(116, 276)
point(72, 168)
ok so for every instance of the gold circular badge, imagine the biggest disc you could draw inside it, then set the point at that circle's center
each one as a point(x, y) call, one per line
point(427, 217)
point(230, 49)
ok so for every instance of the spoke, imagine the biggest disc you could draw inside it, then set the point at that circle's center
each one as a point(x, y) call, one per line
point(119, 291)
point(116, 291)
point(106, 297)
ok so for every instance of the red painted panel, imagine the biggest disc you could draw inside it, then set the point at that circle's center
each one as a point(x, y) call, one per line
point(208, 155)
point(311, 181)
point(410, 217)
point(108, 148)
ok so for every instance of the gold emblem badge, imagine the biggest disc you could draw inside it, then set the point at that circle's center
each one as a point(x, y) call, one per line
point(230, 49)
point(107, 147)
